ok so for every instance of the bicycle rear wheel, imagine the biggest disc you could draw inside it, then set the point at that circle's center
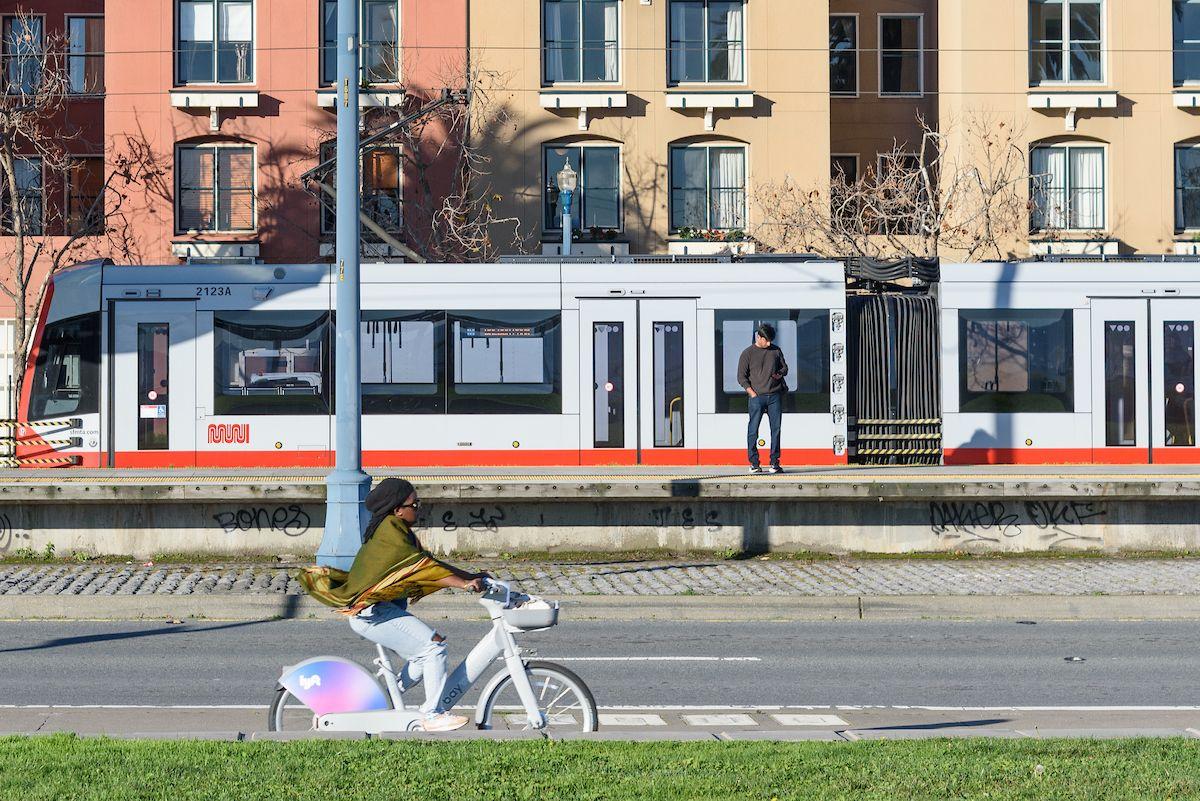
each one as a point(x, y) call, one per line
point(288, 714)
point(562, 697)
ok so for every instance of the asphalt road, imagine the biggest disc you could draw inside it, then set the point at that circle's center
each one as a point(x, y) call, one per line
point(654, 663)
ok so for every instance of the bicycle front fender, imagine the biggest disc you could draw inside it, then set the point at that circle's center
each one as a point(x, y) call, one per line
point(488, 689)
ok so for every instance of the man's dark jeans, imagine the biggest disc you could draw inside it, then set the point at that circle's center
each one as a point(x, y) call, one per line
point(770, 404)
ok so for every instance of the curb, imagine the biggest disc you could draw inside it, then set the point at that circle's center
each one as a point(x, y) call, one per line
point(676, 608)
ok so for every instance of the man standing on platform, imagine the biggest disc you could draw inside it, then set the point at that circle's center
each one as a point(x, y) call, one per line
point(761, 369)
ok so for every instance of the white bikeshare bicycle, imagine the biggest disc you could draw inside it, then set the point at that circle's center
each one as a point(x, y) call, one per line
point(329, 693)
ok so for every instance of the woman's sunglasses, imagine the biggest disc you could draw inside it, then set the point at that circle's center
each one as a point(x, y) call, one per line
point(415, 504)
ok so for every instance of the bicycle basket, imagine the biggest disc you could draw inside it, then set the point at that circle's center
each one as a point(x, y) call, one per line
point(536, 614)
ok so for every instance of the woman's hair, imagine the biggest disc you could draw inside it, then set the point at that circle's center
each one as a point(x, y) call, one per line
point(383, 500)
point(766, 331)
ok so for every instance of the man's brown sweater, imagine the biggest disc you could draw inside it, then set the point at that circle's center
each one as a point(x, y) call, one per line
point(758, 367)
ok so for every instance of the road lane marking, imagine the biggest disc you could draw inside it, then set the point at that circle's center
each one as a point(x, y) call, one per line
point(632, 720)
point(719, 720)
point(810, 720)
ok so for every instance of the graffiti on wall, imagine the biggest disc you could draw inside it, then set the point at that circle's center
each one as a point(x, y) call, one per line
point(1052, 523)
point(290, 520)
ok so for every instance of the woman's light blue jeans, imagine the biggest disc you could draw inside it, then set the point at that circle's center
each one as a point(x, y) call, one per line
point(391, 625)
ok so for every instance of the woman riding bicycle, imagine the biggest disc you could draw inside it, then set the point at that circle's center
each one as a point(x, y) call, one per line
point(390, 571)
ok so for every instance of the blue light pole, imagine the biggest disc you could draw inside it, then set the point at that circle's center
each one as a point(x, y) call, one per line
point(567, 181)
point(347, 485)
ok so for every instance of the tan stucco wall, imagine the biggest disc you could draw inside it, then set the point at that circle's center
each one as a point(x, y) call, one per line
point(985, 69)
point(787, 132)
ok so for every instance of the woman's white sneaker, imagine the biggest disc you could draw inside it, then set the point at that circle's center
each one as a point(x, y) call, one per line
point(443, 722)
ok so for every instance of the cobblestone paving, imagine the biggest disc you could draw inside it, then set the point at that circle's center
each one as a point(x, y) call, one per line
point(751, 577)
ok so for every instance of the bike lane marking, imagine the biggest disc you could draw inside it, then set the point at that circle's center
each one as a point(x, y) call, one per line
point(719, 720)
point(809, 720)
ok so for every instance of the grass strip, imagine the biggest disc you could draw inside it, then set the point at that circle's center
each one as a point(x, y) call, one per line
point(65, 766)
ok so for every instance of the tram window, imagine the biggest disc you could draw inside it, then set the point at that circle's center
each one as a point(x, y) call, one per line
point(669, 410)
point(1120, 383)
point(608, 385)
point(802, 335)
point(1179, 383)
point(66, 378)
point(504, 362)
point(1016, 360)
point(271, 362)
point(403, 362)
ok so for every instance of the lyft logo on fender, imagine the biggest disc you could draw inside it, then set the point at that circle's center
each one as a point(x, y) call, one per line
point(228, 433)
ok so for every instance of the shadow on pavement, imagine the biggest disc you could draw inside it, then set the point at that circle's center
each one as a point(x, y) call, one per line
point(949, 724)
point(126, 635)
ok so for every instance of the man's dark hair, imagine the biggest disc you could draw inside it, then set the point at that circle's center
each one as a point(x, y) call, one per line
point(766, 331)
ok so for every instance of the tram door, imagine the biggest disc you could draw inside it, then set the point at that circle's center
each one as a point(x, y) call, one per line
point(153, 384)
point(638, 382)
point(1173, 437)
point(1120, 391)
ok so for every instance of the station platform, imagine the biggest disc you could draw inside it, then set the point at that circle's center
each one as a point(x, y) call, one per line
point(1071, 481)
point(489, 510)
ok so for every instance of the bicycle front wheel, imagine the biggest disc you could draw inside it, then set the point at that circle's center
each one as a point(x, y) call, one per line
point(288, 714)
point(562, 697)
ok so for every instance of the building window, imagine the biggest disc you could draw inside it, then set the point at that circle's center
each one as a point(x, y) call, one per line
point(597, 200)
point(216, 188)
point(1186, 37)
point(383, 187)
point(85, 55)
point(1068, 188)
point(579, 40)
point(382, 191)
point(215, 41)
point(1187, 188)
point(1015, 361)
point(707, 41)
point(379, 60)
point(843, 55)
point(708, 187)
point(85, 186)
point(29, 196)
point(1065, 41)
point(901, 55)
point(22, 54)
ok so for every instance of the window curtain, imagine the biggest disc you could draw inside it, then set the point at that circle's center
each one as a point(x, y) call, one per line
point(236, 22)
point(610, 41)
point(728, 181)
point(196, 22)
point(687, 41)
point(1049, 187)
point(733, 28)
point(556, 31)
point(1087, 187)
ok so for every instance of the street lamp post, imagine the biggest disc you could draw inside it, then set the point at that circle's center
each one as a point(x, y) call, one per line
point(567, 181)
point(347, 485)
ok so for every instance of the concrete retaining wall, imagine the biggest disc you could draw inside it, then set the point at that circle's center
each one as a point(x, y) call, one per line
point(232, 521)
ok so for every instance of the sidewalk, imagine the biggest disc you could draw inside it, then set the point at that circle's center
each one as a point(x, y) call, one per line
point(753, 588)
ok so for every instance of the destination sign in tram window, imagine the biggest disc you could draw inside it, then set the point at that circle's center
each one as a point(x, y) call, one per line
point(505, 362)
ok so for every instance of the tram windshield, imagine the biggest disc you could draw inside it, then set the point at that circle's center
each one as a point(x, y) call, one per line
point(66, 379)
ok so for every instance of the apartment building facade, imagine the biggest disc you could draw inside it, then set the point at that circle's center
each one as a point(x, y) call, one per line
point(1105, 97)
point(219, 108)
point(668, 111)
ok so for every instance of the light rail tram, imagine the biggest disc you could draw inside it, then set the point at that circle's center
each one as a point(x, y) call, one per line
point(628, 361)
